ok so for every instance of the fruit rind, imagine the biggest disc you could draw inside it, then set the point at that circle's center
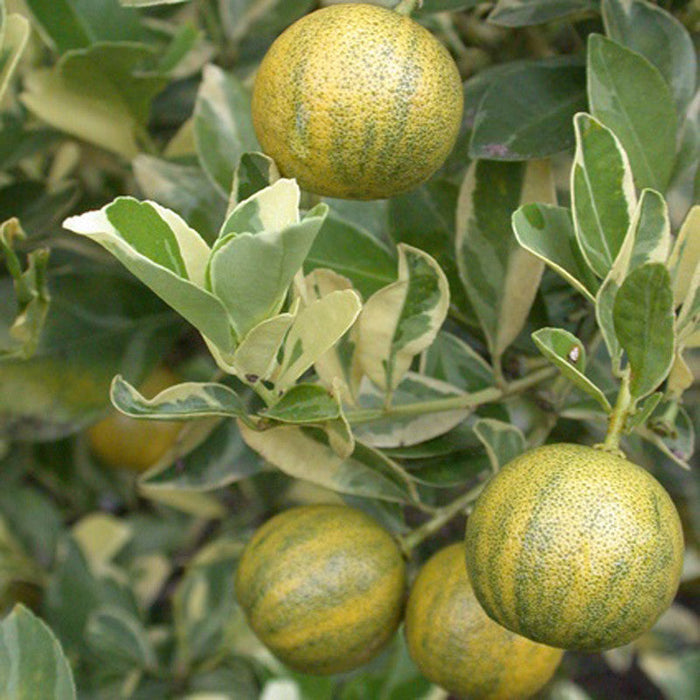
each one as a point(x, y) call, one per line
point(574, 547)
point(322, 587)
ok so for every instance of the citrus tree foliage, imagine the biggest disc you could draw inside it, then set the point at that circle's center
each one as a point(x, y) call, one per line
point(542, 286)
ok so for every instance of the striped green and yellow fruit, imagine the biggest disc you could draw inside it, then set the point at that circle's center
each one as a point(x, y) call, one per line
point(357, 101)
point(457, 646)
point(574, 547)
point(323, 587)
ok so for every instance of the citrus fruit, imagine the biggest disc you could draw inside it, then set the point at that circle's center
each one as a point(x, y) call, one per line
point(574, 547)
point(457, 646)
point(130, 443)
point(358, 102)
point(322, 586)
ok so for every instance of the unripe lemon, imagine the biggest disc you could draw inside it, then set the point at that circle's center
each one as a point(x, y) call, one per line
point(574, 547)
point(458, 646)
point(322, 586)
point(135, 444)
point(357, 101)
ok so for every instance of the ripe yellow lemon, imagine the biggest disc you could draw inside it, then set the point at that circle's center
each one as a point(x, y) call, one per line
point(458, 646)
point(322, 586)
point(574, 547)
point(134, 444)
point(357, 101)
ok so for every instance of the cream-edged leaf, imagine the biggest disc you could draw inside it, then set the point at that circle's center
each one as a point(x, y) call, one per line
point(306, 453)
point(180, 402)
point(316, 328)
point(602, 193)
point(402, 319)
point(251, 272)
point(270, 209)
point(158, 248)
point(402, 431)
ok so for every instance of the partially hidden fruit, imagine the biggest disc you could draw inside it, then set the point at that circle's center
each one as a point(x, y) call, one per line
point(357, 101)
point(322, 587)
point(574, 547)
point(457, 646)
point(135, 444)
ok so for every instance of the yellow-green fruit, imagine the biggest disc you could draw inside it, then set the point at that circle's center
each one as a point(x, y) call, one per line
point(456, 645)
point(322, 587)
point(574, 547)
point(357, 101)
point(135, 444)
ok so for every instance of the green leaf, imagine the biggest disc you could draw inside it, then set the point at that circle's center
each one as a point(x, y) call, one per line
point(236, 263)
point(430, 6)
point(500, 277)
point(14, 34)
point(204, 601)
point(451, 360)
point(221, 458)
point(31, 291)
point(400, 430)
point(118, 637)
point(643, 317)
point(101, 94)
point(351, 251)
point(658, 36)
point(223, 126)
point(244, 18)
point(602, 193)
point(32, 663)
point(315, 330)
point(179, 402)
point(305, 453)
point(568, 353)
point(403, 318)
point(99, 323)
point(502, 441)
point(184, 189)
point(133, 232)
point(527, 113)
point(76, 24)
point(620, 84)
point(150, 3)
point(304, 403)
point(523, 13)
point(548, 232)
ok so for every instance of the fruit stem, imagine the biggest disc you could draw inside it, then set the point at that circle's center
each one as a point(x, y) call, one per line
point(406, 7)
point(441, 517)
point(366, 415)
point(624, 405)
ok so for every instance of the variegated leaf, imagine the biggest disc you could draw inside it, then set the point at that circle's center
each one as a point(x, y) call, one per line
point(400, 431)
point(270, 209)
point(500, 277)
point(403, 318)
point(304, 403)
point(648, 239)
point(316, 328)
point(306, 453)
point(685, 256)
point(251, 272)
point(255, 171)
point(180, 402)
point(548, 232)
point(568, 353)
point(340, 362)
point(602, 192)
point(161, 250)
